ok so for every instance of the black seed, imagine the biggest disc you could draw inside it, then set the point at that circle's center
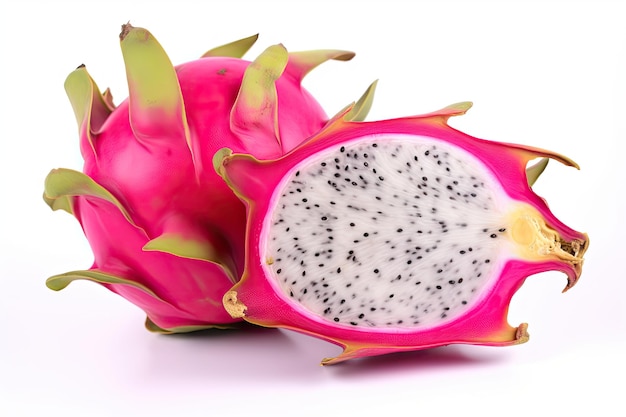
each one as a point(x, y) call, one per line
point(336, 319)
point(361, 315)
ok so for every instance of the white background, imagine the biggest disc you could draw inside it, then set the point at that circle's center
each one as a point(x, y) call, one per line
point(545, 73)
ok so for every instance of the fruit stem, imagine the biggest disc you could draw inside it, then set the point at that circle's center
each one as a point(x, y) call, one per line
point(536, 240)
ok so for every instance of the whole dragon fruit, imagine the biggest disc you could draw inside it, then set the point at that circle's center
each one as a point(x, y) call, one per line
point(395, 235)
point(165, 230)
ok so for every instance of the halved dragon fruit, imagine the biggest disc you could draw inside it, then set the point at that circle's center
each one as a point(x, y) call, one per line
point(166, 231)
point(395, 235)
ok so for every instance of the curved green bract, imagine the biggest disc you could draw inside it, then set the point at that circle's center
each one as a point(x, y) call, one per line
point(255, 112)
point(185, 247)
point(235, 49)
point(91, 108)
point(156, 108)
point(361, 108)
point(62, 184)
point(534, 171)
point(59, 282)
point(456, 109)
point(303, 62)
point(154, 328)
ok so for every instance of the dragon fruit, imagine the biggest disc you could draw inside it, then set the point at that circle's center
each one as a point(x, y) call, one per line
point(395, 235)
point(166, 231)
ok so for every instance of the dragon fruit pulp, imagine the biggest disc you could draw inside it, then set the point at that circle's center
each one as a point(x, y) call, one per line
point(166, 231)
point(395, 235)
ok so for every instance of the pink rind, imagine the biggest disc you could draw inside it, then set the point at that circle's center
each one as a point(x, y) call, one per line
point(254, 298)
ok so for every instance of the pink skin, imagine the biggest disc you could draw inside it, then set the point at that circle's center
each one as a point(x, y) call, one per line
point(155, 179)
point(165, 189)
point(255, 298)
point(175, 293)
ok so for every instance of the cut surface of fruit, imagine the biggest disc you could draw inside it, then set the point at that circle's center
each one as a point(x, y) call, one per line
point(395, 235)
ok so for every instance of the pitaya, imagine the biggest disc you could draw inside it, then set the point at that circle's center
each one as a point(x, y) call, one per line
point(395, 235)
point(166, 231)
